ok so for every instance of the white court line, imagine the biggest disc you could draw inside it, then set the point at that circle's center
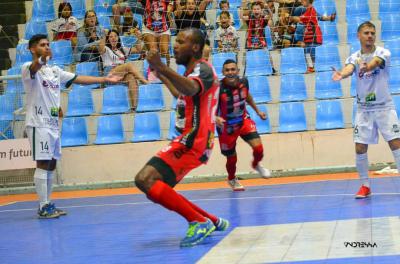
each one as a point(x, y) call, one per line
point(209, 199)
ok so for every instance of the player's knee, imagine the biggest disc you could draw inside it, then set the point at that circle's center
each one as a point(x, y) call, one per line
point(361, 148)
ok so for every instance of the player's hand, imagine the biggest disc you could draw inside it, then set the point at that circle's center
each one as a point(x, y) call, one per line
point(154, 59)
point(112, 78)
point(219, 121)
point(336, 76)
point(262, 115)
point(363, 68)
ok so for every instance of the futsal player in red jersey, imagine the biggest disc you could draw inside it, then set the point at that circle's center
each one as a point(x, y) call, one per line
point(198, 92)
point(234, 121)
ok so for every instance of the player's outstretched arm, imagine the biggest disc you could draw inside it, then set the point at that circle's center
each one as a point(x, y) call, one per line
point(183, 84)
point(344, 73)
point(110, 78)
point(253, 105)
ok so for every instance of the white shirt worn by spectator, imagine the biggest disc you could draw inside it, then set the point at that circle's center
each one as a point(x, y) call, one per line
point(372, 87)
point(61, 24)
point(43, 94)
point(227, 36)
point(114, 58)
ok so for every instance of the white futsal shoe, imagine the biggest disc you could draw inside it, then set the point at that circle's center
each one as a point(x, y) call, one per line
point(265, 173)
point(235, 185)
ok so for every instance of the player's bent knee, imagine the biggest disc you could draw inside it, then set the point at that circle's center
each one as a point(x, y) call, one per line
point(146, 177)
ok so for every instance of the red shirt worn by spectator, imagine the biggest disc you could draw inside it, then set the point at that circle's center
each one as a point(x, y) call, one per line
point(255, 32)
point(312, 31)
point(155, 15)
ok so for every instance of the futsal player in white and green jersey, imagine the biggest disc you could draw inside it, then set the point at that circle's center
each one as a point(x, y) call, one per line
point(42, 84)
point(375, 107)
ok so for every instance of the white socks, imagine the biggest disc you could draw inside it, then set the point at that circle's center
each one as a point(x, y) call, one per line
point(309, 60)
point(40, 180)
point(50, 175)
point(396, 155)
point(362, 168)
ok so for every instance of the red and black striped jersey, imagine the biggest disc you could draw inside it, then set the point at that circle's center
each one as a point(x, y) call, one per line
point(155, 15)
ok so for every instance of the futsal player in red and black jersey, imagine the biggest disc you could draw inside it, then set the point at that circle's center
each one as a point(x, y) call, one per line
point(197, 92)
point(234, 121)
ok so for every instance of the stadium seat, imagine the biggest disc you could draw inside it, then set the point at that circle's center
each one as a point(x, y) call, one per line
point(218, 60)
point(258, 63)
point(146, 127)
point(173, 104)
point(387, 7)
point(396, 101)
point(329, 115)
point(394, 80)
point(263, 126)
point(293, 88)
point(87, 68)
point(330, 34)
point(34, 27)
point(62, 52)
point(326, 57)
point(357, 9)
point(103, 7)
point(146, 67)
point(259, 89)
point(293, 61)
point(80, 102)
point(129, 41)
point(115, 100)
point(6, 131)
point(352, 27)
point(292, 117)
point(268, 38)
point(355, 47)
point(8, 103)
point(325, 87)
point(109, 130)
point(181, 69)
point(78, 8)
point(172, 133)
point(139, 19)
point(104, 21)
point(14, 86)
point(353, 87)
point(43, 10)
point(325, 7)
point(390, 29)
point(74, 132)
point(22, 54)
point(394, 47)
point(150, 98)
point(233, 3)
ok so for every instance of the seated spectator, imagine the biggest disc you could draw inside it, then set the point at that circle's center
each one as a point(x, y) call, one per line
point(120, 6)
point(224, 6)
point(285, 36)
point(256, 22)
point(226, 35)
point(65, 26)
point(191, 16)
point(291, 5)
point(130, 27)
point(89, 36)
point(114, 57)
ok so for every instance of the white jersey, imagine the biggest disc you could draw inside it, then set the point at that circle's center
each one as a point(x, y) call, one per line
point(43, 94)
point(372, 87)
point(114, 58)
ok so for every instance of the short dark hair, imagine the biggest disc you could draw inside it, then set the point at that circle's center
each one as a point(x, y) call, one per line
point(198, 37)
point(229, 61)
point(225, 13)
point(256, 3)
point(62, 6)
point(35, 39)
point(365, 24)
point(223, 2)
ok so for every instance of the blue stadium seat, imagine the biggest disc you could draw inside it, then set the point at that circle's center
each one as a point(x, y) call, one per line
point(115, 100)
point(87, 68)
point(394, 47)
point(62, 52)
point(22, 54)
point(327, 56)
point(6, 131)
point(292, 117)
point(181, 69)
point(293, 88)
point(258, 63)
point(293, 61)
point(263, 126)
point(7, 106)
point(218, 60)
point(129, 41)
point(233, 3)
point(357, 9)
point(172, 133)
point(35, 27)
point(325, 7)
point(146, 127)
point(74, 132)
point(387, 7)
point(78, 8)
point(103, 7)
point(355, 47)
point(139, 19)
point(146, 66)
point(352, 27)
point(325, 87)
point(330, 34)
point(329, 115)
point(390, 29)
point(268, 38)
point(104, 21)
point(80, 102)
point(353, 87)
point(173, 104)
point(259, 89)
point(14, 86)
point(394, 80)
point(109, 130)
point(43, 10)
point(150, 98)
point(396, 101)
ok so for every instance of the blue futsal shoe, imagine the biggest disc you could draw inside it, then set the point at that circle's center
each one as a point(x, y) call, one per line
point(222, 224)
point(197, 232)
point(47, 212)
point(58, 210)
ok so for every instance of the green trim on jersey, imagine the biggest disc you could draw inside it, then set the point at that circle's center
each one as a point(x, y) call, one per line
point(69, 83)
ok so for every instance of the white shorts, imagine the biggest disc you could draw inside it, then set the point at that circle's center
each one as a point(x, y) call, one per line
point(367, 124)
point(145, 30)
point(45, 143)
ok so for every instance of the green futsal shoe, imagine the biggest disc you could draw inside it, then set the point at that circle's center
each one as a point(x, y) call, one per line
point(197, 232)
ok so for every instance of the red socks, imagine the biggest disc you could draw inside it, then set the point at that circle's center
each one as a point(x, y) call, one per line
point(258, 154)
point(164, 195)
point(213, 218)
point(231, 166)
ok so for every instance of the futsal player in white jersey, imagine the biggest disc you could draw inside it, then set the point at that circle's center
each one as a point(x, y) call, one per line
point(375, 107)
point(42, 83)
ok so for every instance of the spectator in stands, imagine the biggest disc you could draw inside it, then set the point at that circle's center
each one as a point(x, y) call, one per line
point(226, 35)
point(224, 6)
point(114, 57)
point(120, 6)
point(190, 15)
point(284, 30)
point(65, 26)
point(88, 38)
point(130, 27)
point(289, 4)
point(256, 22)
